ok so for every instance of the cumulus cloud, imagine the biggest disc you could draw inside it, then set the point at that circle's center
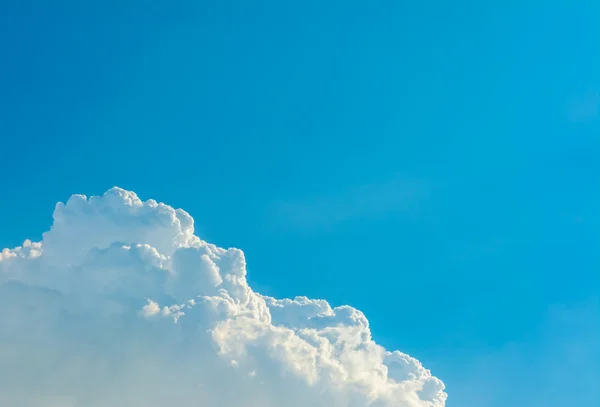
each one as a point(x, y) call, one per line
point(122, 305)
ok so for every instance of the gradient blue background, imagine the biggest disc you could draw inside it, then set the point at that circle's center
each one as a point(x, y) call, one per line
point(436, 165)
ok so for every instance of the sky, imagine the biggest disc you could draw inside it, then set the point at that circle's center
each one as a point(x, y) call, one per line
point(433, 165)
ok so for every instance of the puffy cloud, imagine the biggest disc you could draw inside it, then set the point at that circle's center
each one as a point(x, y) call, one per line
point(121, 305)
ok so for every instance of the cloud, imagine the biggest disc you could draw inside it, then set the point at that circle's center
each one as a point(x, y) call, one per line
point(121, 305)
point(585, 109)
point(554, 365)
point(374, 200)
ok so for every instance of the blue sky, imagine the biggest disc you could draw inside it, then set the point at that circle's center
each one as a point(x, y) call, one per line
point(434, 165)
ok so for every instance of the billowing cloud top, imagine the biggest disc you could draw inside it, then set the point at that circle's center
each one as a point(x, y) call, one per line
point(121, 305)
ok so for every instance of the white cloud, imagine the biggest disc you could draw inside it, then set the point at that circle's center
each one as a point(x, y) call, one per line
point(122, 305)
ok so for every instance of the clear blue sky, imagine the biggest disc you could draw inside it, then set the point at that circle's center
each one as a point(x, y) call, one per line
point(434, 164)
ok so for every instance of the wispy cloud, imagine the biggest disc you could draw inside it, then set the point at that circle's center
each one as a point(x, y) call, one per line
point(586, 108)
point(399, 195)
point(553, 366)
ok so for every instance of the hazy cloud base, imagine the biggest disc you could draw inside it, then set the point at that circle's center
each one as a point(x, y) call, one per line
point(120, 304)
